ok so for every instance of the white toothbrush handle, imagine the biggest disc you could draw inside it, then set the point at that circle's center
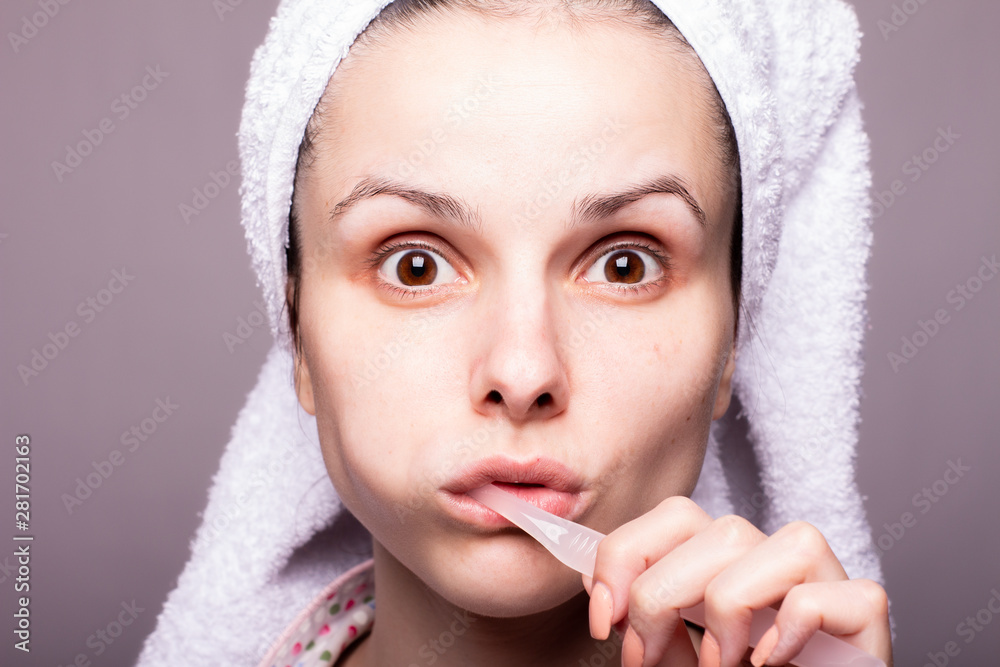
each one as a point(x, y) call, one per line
point(822, 650)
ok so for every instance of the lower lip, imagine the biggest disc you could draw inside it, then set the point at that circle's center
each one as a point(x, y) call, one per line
point(466, 508)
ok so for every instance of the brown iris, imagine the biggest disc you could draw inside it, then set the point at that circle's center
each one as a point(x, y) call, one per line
point(416, 268)
point(624, 267)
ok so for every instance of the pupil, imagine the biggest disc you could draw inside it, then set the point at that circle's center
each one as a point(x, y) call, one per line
point(416, 268)
point(624, 266)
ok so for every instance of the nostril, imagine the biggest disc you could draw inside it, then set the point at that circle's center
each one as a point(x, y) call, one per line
point(544, 399)
point(494, 396)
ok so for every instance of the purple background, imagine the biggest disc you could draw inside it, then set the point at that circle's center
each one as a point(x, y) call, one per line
point(162, 336)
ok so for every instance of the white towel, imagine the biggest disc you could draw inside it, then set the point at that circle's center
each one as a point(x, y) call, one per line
point(274, 532)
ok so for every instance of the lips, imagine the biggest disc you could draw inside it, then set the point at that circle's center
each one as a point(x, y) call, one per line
point(541, 481)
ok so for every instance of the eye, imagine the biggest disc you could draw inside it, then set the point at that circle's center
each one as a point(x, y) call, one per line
point(414, 265)
point(626, 266)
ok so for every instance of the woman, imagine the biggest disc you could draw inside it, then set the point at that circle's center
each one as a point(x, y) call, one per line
point(513, 257)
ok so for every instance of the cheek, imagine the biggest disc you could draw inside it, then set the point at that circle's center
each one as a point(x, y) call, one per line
point(381, 385)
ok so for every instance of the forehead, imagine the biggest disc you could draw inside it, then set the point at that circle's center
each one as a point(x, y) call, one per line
point(507, 104)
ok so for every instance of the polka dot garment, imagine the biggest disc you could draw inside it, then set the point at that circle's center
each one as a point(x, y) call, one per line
point(340, 614)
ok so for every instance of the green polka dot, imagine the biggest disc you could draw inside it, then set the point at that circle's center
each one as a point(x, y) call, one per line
point(368, 598)
point(310, 645)
point(335, 609)
point(326, 656)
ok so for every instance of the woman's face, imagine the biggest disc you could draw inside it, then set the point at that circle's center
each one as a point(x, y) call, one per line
point(515, 243)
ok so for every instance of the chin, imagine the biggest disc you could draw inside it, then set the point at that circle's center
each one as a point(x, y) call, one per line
point(503, 576)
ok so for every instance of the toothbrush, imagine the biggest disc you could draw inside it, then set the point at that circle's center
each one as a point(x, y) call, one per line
point(576, 546)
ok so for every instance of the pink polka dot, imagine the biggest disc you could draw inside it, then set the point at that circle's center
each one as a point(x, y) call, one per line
point(352, 632)
point(325, 629)
point(359, 589)
point(350, 603)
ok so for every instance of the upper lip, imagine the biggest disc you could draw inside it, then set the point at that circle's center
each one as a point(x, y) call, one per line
point(534, 470)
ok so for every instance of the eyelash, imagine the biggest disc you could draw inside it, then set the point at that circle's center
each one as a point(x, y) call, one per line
point(387, 249)
point(660, 257)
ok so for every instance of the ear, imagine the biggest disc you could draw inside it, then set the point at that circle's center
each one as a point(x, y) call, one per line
point(303, 381)
point(725, 393)
point(303, 385)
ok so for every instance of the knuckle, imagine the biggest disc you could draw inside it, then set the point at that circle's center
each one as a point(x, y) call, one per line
point(735, 530)
point(613, 549)
point(801, 604)
point(807, 540)
point(875, 595)
point(720, 597)
point(645, 599)
point(679, 505)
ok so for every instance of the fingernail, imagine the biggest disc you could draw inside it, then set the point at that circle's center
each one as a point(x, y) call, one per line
point(588, 583)
point(601, 608)
point(710, 655)
point(765, 647)
point(632, 649)
point(786, 642)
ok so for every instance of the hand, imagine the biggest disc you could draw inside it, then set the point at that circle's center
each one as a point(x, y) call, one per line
point(676, 556)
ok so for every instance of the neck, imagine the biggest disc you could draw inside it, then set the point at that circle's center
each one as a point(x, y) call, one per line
point(416, 626)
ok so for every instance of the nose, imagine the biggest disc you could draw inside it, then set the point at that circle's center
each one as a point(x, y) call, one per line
point(521, 375)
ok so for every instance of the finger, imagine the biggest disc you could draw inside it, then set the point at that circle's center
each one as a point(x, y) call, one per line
point(629, 550)
point(679, 579)
point(679, 652)
point(856, 611)
point(796, 554)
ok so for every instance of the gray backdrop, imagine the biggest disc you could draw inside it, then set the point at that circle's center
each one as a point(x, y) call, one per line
point(155, 330)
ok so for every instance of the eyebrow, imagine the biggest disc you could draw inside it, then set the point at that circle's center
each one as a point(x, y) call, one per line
point(590, 209)
point(438, 205)
point(594, 207)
